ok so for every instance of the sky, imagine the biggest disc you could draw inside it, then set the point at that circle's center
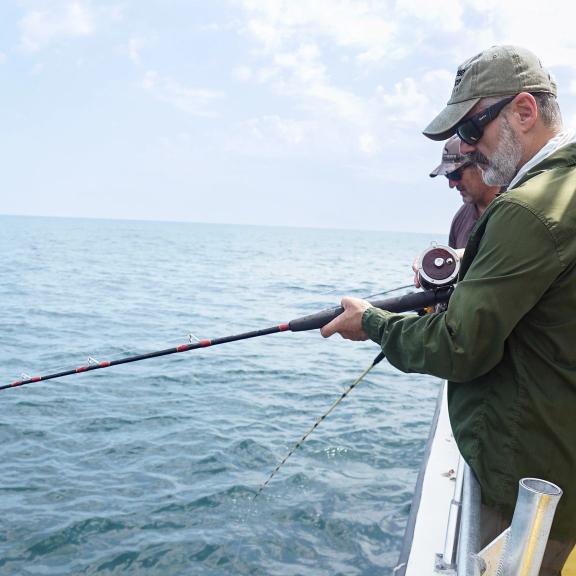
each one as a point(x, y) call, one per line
point(275, 112)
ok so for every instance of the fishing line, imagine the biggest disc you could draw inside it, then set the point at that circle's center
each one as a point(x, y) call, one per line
point(388, 291)
point(351, 291)
point(376, 360)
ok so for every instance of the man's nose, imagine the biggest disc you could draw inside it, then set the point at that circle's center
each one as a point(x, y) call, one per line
point(452, 183)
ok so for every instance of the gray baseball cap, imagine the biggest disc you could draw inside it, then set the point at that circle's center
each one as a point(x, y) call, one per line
point(498, 71)
point(451, 158)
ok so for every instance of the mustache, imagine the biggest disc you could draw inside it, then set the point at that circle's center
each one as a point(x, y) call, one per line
point(478, 158)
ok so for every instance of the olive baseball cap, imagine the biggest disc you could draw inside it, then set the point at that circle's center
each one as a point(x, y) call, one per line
point(498, 71)
point(451, 158)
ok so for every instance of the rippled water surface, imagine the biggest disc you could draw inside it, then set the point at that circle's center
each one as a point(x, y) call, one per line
point(151, 468)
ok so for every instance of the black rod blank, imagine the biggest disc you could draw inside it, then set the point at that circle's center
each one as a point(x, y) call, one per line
point(406, 303)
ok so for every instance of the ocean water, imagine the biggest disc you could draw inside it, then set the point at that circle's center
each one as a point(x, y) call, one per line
point(151, 468)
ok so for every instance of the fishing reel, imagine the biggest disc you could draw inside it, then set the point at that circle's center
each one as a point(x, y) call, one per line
point(439, 267)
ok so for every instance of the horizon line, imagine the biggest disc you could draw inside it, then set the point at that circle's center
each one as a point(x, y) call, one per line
point(254, 225)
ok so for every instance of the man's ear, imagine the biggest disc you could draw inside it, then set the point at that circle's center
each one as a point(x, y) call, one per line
point(524, 111)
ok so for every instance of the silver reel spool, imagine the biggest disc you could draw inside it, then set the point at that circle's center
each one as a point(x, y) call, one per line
point(439, 266)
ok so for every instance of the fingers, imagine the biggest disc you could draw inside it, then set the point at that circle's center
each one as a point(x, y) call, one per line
point(330, 329)
point(349, 323)
point(416, 269)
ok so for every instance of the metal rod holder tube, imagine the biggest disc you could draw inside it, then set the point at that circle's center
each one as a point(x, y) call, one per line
point(451, 537)
point(469, 541)
point(531, 523)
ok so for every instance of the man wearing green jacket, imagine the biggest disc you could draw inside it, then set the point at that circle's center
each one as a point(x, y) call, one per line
point(507, 341)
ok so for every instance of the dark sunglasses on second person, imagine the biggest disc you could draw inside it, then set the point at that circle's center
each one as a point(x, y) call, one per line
point(456, 175)
point(472, 129)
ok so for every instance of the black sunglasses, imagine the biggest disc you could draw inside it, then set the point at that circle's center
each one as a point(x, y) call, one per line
point(456, 175)
point(472, 129)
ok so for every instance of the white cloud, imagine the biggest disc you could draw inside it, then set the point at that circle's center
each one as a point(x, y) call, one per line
point(286, 131)
point(346, 22)
point(368, 144)
point(40, 28)
point(304, 46)
point(326, 55)
point(135, 46)
point(320, 138)
point(268, 35)
point(243, 73)
point(274, 136)
point(546, 28)
point(3, 57)
point(268, 136)
point(303, 74)
point(406, 103)
point(440, 15)
point(193, 101)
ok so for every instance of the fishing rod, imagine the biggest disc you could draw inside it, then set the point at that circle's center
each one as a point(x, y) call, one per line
point(438, 271)
point(406, 303)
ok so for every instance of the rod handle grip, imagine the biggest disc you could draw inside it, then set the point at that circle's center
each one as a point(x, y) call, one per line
point(315, 321)
point(406, 303)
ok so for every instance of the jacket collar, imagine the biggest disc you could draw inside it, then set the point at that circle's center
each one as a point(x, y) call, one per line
point(564, 157)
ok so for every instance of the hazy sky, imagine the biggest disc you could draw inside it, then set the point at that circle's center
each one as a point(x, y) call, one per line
point(281, 112)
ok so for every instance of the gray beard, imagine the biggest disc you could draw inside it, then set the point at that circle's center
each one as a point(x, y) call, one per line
point(503, 166)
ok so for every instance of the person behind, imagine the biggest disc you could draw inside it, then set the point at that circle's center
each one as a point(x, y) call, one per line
point(507, 341)
point(466, 177)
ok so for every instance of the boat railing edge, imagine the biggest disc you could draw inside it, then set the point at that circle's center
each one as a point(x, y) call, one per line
point(400, 569)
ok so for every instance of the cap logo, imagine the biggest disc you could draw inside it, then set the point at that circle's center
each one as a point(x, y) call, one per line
point(459, 74)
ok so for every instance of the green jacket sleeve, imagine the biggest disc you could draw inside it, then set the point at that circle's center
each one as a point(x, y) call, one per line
point(506, 279)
